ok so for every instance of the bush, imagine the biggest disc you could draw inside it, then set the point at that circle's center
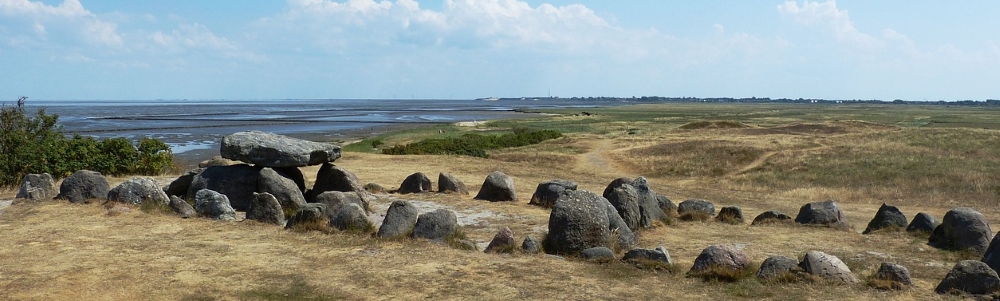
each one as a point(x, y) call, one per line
point(36, 144)
point(474, 145)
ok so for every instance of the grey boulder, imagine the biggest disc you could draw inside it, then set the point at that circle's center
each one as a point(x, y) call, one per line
point(415, 183)
point(182, 208)
point(337, 199)
point(887, 217)
point(897, 275)
point(530, 245)
point(351, 218)
point(625, 199)
point(214, 205)
point(962, 229)
point(282, 187)
point(923, 223)
point(666, 205)
point(598, 254)
point(718, 258)
point(273, 150)
point(309, 217)
point(969, 277)
point(437, 225)
point(547, 193)
point(37, 187)
point(775, 267)
point(827, 266)
point(448, 183)
point(825, 213)
point(237, 182)
point(399, 220)
point(730, 215)
point(695, 210)
point(770, 217)
point(179, 186)
point(334, 178)
point(659, 255)
point(498, 187)
point(503, 242)
point(83, 186)
point(137, 191)
point(579, 220)
point(267, 209)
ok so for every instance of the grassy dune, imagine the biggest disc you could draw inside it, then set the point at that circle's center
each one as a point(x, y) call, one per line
point(758, 157)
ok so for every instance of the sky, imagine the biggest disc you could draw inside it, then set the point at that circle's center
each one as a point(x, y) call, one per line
point(463, 49)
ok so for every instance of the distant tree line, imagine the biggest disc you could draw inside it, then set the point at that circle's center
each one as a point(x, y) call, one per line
point(660, 99)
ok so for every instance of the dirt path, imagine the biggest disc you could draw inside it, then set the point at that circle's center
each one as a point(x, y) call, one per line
point(760, 161)
point(596, 160)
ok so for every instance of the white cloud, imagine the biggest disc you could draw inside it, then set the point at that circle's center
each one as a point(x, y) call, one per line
point(827, 14)
point(70, 17)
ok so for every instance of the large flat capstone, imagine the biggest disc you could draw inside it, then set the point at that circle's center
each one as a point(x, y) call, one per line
point(273, 150)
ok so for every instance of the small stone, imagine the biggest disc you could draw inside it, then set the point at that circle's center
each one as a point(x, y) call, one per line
point(415, 183)
point(503, 242)
point(214, 205)
point(730, 215)
point(182, 208)
point(896, 274)
point(598, 254)
point(530, 245)
point(770, 217)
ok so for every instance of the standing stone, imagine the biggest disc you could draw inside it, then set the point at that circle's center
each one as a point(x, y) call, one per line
point(294, 174)
point(717, 258)
point(992, 256)
point(826, 213)
point(530, 245)
point(436, 225)
point(448, 183)
point(730, 215)
point(770, 217)
point(547, 193)
point(923, 223)
point(503, 242)
point(334, 178)
point(649, 209)
point(659, 254)
point(827, 266)
point(137, 191)
point(970, 277)
point(415, 183)
point(695, 210)
point(282, 188)
point(83, 186)
point(273, 150)
point(237, 182)
point(351, 218)
point(778, 266)
point(617, 228)
point(179, 186)
point(182, 208)
point(578, 221)
point(309, 217)
point(615, 184)
point(668, 206)
point(214, 205)
point(266, 208)
point(498, 187)
point(37, 187)
point(896, 274)
point(625, 199)
point(886, 217)
point(962, 229)
point(399, 220)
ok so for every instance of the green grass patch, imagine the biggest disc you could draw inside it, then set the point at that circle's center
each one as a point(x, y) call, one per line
point(472, 144)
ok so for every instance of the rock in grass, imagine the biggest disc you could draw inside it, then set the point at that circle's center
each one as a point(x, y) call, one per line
point(399, 220)
point(334, 178)
point(922, 223)
point(237, 182)
point(695, 210)
point(887, 217)
point(625, 199)
point(668, 206)
point(719, 261)
point(503, 242)
point(214, 205)
point(547, 193)
point(351, 218)
point(775, 267)
point(337, 199)
point(770, 217)
point(415, 183)
point(138, 191)
point(84, 185)
point(282, 187)
point(310, 216)
point(649, 209)
point(375, 188)
point(825, 213)
point(827, 266)
point(37, 187)
point(273, 150)
point(730, 215)
point(992, 256)
point(436, 225)
point(267, 209)
point(962, 229)
point(530, 245)
point(970, 277)
point(182, 208)
point(448, 183)
point(896, 275)
point(598, 254)
point(578, 221)
point(659, 255)
point(498, 187)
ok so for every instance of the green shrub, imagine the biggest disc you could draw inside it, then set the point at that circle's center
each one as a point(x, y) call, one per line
point(471, 144)
point(36, 144)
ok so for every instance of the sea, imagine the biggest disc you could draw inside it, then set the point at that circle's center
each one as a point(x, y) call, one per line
point(197, 126)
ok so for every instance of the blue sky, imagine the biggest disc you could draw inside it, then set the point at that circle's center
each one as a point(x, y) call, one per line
point(256, 49)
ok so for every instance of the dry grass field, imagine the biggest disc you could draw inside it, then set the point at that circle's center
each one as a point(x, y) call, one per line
point(757, 157)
